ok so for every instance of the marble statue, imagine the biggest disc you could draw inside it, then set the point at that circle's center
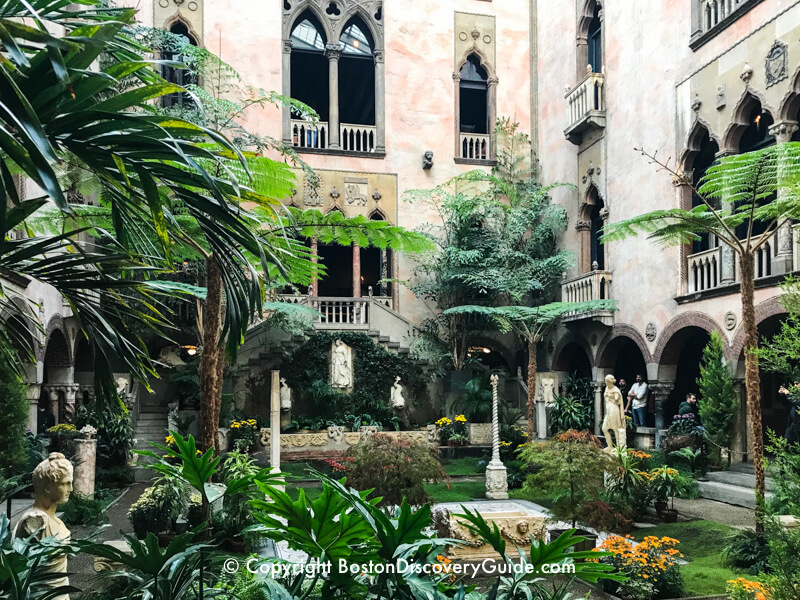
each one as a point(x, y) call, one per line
point(341, 365)
point(397, 401)
point(548, 387)
point(286, 395)
point(52, 485)
point(614, 420)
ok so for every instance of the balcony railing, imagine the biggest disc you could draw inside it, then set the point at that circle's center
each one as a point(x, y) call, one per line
point(353, 138)
point(308, 135)
point(584, 288)
point(476, 146)
point(357, 138)
point(586, 107)
point(713, 16)
point(706, 271)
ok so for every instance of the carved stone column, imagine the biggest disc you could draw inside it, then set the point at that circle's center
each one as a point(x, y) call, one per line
point(70, 392)
point(727, 272)
point(661, 393)
point(315, 260)
point(286, 117)
point(395, 287)
point(86, 454)
point(492, 114)
point(784, 257)
point(356, 271)
point(380, 102)
point(585, 257)
point(33, 393)
point(333, 52)
point(598, 407)
point(496, 474)
point(52, 397)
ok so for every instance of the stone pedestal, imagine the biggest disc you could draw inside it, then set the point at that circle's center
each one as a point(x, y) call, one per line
point(598, 408)
point(85, 458)
point(496, 474)
point(541, 419)
point(496, 481)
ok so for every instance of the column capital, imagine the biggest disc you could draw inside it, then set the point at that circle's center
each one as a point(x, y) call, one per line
point(287, 46)
point(333, 51)
point(661, 390)
point(583, 225)
point(377, 54)
point(783, 131)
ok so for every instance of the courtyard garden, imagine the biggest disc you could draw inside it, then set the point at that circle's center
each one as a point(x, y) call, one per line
point(232, 437)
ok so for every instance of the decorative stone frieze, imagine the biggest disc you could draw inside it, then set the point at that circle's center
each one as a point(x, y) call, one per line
point(335, 438)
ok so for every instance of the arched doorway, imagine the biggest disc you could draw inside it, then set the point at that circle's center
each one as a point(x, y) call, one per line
point(774, 410)
point(84, 370)
point(57, 373)
point(338, 278)
point(574, 360)
point(376, 267)
point(681, 356)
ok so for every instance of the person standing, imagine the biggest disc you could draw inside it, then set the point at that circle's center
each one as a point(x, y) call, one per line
point(637, 400)
point(689, 407)
point(623, 389)
point(792, 397)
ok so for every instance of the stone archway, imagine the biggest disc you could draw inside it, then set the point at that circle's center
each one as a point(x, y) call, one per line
point(58, 389)
point(572, 355)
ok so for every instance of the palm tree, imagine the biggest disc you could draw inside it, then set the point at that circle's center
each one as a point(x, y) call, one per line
point(737, 193)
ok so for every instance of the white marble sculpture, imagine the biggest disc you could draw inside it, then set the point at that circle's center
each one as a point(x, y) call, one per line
point(52, 485)
point(341, 365)
point(548, 387)
point(397, 401)
point(614, 421)
point(286, 395)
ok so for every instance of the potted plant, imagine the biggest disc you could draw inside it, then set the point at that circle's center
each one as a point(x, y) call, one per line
point(572, 465)
point(664, 483)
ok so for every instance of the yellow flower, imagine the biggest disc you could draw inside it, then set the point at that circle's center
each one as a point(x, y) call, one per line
point(461, 419)
point(170, 440)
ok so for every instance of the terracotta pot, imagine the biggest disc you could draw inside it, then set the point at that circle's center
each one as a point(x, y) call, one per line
point(715, 468)
point(660, 507)
point(164, 539)
point(670, 515)
point(234, 545)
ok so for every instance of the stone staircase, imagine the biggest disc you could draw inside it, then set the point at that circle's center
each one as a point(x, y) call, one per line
point(733, 487)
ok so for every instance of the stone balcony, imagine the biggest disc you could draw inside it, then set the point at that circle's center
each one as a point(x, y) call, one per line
point(714, 271)
point(583, 288)
point(586, 107)
point(709, 17)
point(475, 146)
point(352, 138)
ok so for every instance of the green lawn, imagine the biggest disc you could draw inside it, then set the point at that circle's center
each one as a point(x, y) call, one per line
point(463, 466)
point(461, 491)
point(542, 499)
point(700, 543)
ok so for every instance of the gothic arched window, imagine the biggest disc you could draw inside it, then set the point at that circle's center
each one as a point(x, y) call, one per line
point(177, 75)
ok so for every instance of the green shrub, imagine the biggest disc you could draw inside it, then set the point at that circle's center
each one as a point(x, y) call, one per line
point(63, 439)
point(747, 550)
point(115, 477)
point(114, 434)
point(14, 409)
point(81, 509)
point(395, 469)
point(720, 402)
point(572, 466)
point(571, 413)
point(158, 507)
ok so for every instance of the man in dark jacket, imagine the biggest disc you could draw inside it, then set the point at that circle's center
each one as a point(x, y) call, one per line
point(689, 406)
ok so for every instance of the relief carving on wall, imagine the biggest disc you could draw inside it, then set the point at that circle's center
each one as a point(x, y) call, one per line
point(355, 191)
point(775, 63)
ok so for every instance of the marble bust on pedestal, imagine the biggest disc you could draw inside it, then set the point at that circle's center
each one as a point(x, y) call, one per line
point(52, 485)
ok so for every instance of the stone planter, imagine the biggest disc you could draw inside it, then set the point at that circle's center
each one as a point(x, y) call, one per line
point(587, 545)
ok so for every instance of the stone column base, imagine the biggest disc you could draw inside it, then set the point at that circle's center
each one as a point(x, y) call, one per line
point(496, 481)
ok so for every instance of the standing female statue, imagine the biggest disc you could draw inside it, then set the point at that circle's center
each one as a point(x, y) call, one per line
point(614, 420)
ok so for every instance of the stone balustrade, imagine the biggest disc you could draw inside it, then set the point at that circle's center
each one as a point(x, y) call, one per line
point(308, 135)
point(706, 270)
point(476, 146)
point(357, 138)
point(595, 285)
point(586, 106)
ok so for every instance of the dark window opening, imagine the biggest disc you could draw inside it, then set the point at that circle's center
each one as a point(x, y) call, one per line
point(597, 249)
point(595, 40)
point(357, 76)
point(704, 159)
point(338, 278)
point(376, 266)
point(179, 76)
point(756, 137)
point(473, 97)
point(309, 67)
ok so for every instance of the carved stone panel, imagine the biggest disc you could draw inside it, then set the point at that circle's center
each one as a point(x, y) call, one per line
point(475, 32)
point(166, 12)
point(356, 191)
point(775, 64)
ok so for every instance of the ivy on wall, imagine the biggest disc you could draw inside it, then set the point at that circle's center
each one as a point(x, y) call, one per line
point(374, 371)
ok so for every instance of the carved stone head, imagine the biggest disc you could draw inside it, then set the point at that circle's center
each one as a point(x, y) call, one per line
point(52, 480)
point(427, 159)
